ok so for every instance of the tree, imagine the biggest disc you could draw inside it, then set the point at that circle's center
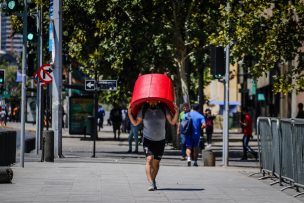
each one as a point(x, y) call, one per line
point(130, 37)
point(268, 34)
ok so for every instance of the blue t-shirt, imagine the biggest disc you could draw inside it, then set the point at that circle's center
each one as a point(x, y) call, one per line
point(197, 121)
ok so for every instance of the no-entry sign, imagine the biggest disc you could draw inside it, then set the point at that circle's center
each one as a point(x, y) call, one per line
point(45, 73)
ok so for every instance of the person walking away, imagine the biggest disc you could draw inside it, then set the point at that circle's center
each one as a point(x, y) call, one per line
point(133, 134)
point(209, 126)
point(100, 115)
point(116, 118)
point(153, 115)
point(247, 134)
point(124, 114)
point(182, 116)
point(300, 111)
point(2, 116)
point(193, 141)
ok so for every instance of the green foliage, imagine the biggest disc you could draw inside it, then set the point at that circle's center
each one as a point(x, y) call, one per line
point(268, 34)
point(120, 39)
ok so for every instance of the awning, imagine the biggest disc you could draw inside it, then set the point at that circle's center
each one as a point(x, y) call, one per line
point(216, 102)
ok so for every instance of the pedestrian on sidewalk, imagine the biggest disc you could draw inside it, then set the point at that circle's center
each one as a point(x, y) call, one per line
point(116, 118)
point(193, 141)
point(209, 126)
point(100, 116)
point(153, 115)
point(300, 111)
point(246, 124)
point(182, 116)
point(133, 134)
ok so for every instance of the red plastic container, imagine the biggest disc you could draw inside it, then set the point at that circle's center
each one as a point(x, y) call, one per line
point(152, 87)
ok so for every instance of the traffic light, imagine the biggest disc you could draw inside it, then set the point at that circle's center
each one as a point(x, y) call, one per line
point(31, 64)
point(12, 6)
point(31, 28)
point(2, 77)
point(217, 59)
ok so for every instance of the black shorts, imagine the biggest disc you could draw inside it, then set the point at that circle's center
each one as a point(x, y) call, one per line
point(155, 148)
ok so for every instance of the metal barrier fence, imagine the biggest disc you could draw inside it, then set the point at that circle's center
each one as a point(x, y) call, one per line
point(281, 149)
point(265, 144)
point(286, 151)
point(276, 146)
point(298, 151)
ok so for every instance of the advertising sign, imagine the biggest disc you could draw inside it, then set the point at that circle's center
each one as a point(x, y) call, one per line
point(80, 109)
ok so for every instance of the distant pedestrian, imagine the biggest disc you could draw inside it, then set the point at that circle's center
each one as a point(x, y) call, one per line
point(116, 118)
point(209, 126)
point(182, 116)
point(124, 123)
point(193, 141)
point(100, 116)
point(133, 134)
point(300, 111)
point(153, 116)
point(2, 116)
point(246, 124)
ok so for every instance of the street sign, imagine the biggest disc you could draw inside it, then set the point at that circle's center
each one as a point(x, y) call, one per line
point(90, 85)
point(107, 85)
point(45, 74)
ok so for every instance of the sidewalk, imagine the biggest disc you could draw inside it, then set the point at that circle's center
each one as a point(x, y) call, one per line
point(105, 182)
point(115, 176)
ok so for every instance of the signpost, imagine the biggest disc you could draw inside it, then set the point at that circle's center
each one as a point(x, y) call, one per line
point(94, 85)
point(107, 85)
point(90, 85)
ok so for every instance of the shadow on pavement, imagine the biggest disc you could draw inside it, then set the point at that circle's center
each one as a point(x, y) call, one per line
point(181, 189)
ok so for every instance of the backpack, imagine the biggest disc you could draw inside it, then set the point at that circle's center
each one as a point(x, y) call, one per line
point(186, 125)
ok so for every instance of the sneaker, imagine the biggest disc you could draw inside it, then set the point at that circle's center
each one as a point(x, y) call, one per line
point(151, 186)
point(154, 184)
point(129, 151)
point(195, 164)
point(189, 163)
point(183, 159)
point(208, 146)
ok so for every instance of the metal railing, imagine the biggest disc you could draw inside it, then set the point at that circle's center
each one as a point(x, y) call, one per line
point(281, 150)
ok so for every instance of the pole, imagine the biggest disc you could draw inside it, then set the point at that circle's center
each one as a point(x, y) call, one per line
point(40, 128)
point(226, 107)
point(95, 135)
point(38, 95)
point(23, 86)
point(57, 80)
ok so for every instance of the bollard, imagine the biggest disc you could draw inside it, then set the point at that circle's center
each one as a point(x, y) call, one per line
point(208, 158)
point(48, 145)
point(7, 148)
point(6, 175)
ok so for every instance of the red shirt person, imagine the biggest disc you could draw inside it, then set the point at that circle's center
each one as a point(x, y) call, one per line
point(247, 123)
point(247, 130)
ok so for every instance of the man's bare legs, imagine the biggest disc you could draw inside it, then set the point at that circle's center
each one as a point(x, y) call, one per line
point(152, 167)
point(188, 152)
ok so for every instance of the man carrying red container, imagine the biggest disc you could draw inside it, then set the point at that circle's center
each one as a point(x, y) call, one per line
point(153, 115)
